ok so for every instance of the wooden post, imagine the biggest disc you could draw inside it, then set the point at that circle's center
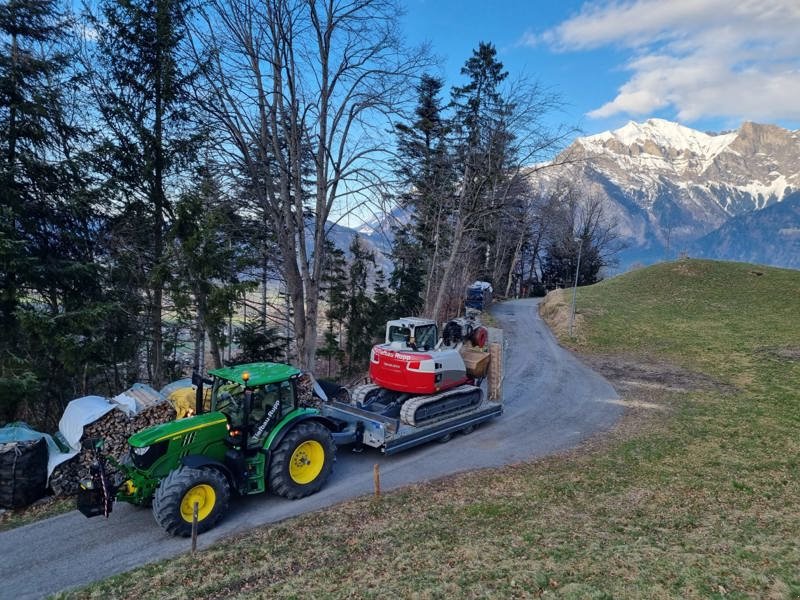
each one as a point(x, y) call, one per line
point(376, 477)
point(194, 527)
point(495, 372)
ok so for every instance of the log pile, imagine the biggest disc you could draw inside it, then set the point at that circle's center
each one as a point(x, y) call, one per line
point(115, 428)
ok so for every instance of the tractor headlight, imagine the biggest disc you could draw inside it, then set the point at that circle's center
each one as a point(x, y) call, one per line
point(143, 457)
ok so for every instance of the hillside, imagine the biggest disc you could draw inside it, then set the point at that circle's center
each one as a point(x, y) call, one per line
point(696, 494)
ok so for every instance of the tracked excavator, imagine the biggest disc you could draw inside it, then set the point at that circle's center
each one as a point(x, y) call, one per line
point(420, 378)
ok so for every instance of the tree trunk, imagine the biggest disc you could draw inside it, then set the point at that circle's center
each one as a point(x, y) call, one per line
point(449, 267)
point(157, 277)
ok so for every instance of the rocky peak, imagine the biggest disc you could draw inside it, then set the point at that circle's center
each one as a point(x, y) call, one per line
point(668, 185)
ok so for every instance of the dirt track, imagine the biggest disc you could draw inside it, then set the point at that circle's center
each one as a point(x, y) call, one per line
point(552, 402)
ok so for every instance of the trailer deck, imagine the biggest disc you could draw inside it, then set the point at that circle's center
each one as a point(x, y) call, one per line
point(391, 435)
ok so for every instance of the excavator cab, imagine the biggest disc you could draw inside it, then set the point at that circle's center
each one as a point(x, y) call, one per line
point(412, 334)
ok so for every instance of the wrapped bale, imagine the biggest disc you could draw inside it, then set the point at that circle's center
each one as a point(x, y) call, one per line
point(23, 472)
point(184, 399)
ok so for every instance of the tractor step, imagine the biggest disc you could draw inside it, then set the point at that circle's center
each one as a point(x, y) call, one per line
point(254, 482)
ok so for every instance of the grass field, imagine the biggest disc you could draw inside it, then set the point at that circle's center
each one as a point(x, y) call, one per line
point(695, 495)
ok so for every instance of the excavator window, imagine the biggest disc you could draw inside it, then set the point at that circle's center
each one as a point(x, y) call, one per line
point(425, 336)
point(399, 334)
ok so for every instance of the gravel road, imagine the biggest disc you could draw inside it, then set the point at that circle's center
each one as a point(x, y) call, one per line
point(552, 402)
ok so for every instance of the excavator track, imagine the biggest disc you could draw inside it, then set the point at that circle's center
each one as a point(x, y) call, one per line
point(423, 409)
point(359, 394)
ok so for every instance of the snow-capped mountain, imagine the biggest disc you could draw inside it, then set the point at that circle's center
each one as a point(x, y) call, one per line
point(668, 185)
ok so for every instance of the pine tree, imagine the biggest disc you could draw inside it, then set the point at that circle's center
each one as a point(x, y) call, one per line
point(141, 90)
point(334, 293)
point(208, 255)
point(360, 307)
point(482, 142)
point(407, 281)
point(426, 168)
point(54, 311)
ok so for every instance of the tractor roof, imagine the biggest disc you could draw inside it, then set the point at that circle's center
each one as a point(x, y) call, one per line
point(260, 373)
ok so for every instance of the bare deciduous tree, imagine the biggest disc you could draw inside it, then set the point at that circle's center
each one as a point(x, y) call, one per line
point(301, 93)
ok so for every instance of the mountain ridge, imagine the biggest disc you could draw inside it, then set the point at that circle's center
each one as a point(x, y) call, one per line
point(668, 185)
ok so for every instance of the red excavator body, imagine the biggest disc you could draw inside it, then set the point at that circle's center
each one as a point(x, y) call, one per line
point(409, 360)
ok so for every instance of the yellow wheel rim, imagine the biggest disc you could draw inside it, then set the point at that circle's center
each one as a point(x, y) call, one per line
point(306, 462)
point(206, 498)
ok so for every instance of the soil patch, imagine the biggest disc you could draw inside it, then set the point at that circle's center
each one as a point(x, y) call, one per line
point(790, 353)
point(628, 373)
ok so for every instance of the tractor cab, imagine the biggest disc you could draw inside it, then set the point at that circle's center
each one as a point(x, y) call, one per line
point(253, 398)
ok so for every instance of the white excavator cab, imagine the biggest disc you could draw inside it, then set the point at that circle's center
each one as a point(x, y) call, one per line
point(411, 333)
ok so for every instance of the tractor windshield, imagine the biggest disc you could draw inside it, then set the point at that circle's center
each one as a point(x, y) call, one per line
point(227, 397)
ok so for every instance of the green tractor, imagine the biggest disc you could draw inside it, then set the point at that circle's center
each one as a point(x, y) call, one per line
point(257, 437)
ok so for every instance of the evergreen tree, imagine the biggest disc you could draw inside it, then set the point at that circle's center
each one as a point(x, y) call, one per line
point(209, 253)
point(142, 95)
point(426, 169)
point(54, 312)
point(334, 293)
point(407, 281)
point(259, 342)
point(482, 144)
point(360, 307)
point(384, 306)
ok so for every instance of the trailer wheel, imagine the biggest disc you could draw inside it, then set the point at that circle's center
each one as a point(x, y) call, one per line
point(174, 500)
point(302, 462)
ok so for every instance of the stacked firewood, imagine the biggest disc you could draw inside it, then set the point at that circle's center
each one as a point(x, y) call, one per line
point(115, 427)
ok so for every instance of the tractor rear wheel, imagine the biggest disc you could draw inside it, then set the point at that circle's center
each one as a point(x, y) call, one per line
point(174, 500)
point(302, 462)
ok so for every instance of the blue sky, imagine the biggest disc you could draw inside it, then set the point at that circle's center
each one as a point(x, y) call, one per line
point(709, 64)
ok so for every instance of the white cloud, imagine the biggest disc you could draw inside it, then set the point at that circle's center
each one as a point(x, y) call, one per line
point(702, 58)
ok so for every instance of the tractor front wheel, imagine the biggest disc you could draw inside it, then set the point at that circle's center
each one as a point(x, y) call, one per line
point(302, 462)
point(173, 504)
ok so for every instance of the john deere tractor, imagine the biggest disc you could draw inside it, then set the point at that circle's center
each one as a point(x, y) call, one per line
point(256, 437)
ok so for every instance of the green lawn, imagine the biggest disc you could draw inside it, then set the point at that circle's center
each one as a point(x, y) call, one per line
point(695, 495)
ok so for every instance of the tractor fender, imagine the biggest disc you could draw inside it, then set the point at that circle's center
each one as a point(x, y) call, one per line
point(197, 461)
point(324, 421)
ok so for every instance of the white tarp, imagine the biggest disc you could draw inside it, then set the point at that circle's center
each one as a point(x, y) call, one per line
point(79, 413)
point(137, 398)
point(126, 404)
point(482, 285)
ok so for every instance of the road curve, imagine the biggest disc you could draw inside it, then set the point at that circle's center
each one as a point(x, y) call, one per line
point(552, 402)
